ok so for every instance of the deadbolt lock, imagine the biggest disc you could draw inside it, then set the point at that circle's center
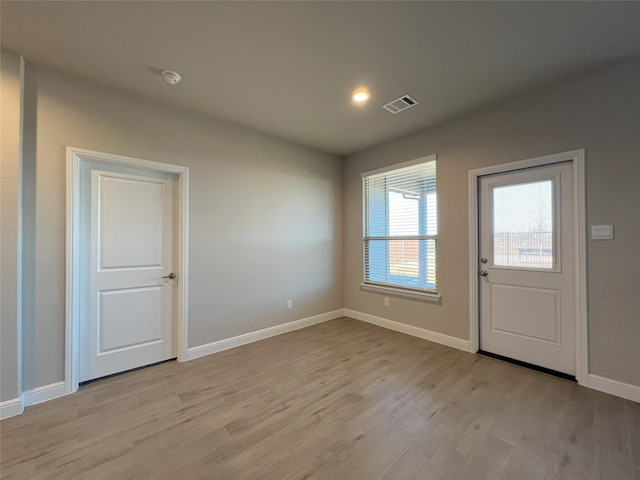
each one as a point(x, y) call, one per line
point(483, 259)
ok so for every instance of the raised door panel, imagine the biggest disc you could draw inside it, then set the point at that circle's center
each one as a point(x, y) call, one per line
point(533, 313)
point(130, 233)
point(129, 318)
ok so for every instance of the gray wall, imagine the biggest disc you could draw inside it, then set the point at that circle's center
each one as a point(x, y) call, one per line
point(9, 178)
point(599, 112)
point(265, 219)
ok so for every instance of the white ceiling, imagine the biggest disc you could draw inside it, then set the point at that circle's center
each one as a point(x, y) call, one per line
point(288, 68)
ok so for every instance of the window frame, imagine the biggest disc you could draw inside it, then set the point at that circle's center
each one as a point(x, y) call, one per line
point(390, 288)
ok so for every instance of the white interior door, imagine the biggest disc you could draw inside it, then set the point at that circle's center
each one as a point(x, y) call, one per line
point(127, 251)
point(526, 266)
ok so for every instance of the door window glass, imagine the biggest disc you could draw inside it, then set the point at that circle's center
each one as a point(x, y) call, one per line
point(523, 221)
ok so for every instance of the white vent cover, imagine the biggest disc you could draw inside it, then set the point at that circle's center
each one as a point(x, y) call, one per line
point(400, 104)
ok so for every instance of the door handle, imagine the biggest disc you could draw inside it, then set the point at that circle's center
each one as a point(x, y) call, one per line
point(483, 273)
point(171, 276)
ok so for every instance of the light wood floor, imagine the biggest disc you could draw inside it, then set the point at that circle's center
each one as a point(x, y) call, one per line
point(341, 400)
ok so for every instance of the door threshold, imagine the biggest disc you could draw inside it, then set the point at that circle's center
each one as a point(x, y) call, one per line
point(530, 366)
point(86, 382)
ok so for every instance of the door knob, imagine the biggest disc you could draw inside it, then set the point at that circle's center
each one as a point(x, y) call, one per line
point(483, 273)
point(171, 276)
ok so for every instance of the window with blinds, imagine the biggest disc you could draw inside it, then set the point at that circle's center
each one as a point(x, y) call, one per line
point(400, 226)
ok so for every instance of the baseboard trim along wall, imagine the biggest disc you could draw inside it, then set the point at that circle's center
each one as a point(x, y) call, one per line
point(11, 408)
point(613, 387)
point(45, 393)
point(226, 344)
point(452, 342)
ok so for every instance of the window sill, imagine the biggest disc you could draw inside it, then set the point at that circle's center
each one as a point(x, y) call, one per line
point(403, 293)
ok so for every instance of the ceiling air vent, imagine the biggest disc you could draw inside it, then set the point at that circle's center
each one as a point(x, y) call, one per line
point(400, 104)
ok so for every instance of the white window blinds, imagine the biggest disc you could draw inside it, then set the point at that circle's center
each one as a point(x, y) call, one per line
point(400, 226)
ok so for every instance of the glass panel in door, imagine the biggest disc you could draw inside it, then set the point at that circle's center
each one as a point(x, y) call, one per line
point(523, 225)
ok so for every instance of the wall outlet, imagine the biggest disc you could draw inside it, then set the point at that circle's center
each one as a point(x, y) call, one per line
point(386, 301)
point(289, 304)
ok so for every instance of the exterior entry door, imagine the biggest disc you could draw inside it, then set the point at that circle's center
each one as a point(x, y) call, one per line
point(127, 254)
point(526, 266)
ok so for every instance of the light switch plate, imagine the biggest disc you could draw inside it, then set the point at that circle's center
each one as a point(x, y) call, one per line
point(601, 232)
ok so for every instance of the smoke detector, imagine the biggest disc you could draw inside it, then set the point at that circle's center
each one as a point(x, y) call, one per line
point(171, 77)
point(400, 104)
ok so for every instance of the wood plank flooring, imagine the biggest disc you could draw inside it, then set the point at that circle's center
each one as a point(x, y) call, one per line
point(342, 400)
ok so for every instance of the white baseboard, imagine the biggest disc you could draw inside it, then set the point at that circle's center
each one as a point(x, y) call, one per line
point(16, 406)
point(11, 408)
point(226, 344)
point(436, 337)
point(44, 394)
point(613, 387)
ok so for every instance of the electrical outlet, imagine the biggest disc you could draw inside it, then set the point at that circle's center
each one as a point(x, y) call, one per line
point(289, 304)
point(386, 301)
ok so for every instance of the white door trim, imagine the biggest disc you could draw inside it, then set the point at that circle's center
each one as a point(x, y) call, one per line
point(75, 157)
point(577, 159)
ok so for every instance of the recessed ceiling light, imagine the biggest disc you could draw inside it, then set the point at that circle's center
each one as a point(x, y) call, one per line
point(361, 95)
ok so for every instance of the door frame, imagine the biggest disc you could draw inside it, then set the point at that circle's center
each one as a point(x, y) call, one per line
point(577, 159)
point(75, 158)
